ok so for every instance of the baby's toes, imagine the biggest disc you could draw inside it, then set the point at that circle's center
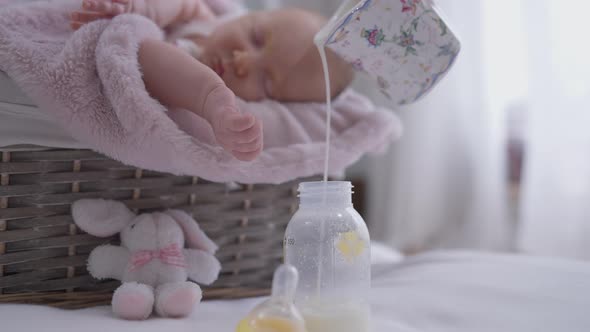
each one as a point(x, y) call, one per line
point(76, 25)
point(247, 156)
point(239, 122)
point(249, 147)
point(248, 144)
point(249, 135)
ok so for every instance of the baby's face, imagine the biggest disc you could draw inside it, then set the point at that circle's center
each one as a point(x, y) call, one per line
point(268, 55)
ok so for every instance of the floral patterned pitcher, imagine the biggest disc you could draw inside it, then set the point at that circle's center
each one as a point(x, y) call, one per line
point(404, 45)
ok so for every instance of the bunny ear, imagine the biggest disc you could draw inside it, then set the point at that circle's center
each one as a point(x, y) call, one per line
point(100, 217)
point(193, 234)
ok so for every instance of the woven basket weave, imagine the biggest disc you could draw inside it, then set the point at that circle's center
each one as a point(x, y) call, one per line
point(43, 254)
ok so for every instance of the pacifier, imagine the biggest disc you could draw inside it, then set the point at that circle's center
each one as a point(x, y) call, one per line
point(277, 314)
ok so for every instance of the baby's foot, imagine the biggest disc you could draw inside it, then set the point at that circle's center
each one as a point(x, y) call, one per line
point(93, 10)
point(238, 133)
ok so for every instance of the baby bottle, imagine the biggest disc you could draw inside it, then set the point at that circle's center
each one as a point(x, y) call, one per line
point(328, 242)
point(277, 314)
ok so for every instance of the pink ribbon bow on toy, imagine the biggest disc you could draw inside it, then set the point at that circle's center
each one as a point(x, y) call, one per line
point(171, 255)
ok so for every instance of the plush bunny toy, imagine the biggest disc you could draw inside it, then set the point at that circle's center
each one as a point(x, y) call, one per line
point(152, 261)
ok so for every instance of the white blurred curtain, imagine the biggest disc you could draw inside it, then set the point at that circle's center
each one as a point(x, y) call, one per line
point(447, 170)
point(555, 217)
point(442, 185)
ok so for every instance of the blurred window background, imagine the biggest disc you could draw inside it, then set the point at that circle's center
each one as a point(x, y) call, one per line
point(498, 156)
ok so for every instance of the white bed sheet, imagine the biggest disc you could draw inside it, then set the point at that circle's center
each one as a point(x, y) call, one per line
point(444, 291)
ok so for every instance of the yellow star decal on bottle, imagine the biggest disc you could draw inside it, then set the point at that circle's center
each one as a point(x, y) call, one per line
point(350, 245)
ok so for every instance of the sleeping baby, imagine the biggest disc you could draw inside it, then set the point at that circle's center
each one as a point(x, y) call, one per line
point(259, 55)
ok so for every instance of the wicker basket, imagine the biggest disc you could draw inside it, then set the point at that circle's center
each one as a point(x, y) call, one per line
point(43, 254)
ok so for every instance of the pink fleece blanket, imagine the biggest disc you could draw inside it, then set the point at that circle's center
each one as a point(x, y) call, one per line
point(91, 83)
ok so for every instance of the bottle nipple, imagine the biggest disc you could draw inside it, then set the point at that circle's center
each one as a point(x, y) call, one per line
point(284, 284)
point(277, 314)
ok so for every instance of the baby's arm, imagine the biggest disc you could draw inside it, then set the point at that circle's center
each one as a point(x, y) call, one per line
point(163, 12)
point(178, 80)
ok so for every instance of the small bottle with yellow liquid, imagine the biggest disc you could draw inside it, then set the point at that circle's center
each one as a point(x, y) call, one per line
point(328, 243)
point(277, 314)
